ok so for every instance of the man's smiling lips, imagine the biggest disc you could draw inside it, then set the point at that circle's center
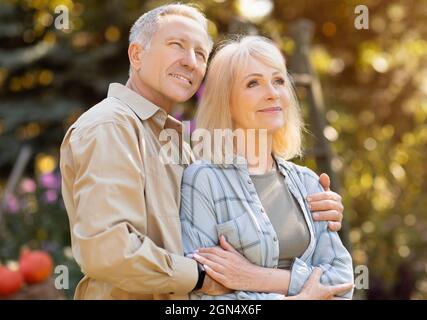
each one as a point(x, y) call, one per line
point(181, 77)
point(271, 109)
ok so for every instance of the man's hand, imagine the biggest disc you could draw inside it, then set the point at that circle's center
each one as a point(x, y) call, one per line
point(327, 205)
point(213, 288)
point(314, 290)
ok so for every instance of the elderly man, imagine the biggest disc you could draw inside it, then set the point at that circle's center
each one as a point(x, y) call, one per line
point(122, 201)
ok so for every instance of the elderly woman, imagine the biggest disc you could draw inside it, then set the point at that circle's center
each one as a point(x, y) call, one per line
point(255, 207)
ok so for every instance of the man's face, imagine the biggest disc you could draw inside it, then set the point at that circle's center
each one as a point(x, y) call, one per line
point(173, 67)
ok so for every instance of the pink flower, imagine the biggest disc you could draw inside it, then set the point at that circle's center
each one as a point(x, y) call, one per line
point(50, 181)
point(50, 196)
point(12, 204)
point(28, 185)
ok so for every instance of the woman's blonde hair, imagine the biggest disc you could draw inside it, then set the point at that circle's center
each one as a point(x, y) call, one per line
point(214, 109)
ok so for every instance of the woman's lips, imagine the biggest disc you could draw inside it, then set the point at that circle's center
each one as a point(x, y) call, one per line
point(272, 109)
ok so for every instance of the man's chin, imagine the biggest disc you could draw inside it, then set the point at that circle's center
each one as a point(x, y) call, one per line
point(182, 97)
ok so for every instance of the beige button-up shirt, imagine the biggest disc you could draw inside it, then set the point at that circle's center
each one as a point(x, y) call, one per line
point(123, 203)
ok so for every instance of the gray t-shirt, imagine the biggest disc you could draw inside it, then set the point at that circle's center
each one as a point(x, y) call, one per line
point(285, 215)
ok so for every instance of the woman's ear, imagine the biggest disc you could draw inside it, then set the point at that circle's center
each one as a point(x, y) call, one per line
point(135, 55)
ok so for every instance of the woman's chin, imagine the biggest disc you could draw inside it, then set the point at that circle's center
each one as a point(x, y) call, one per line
point(269, 130)
point(273, 128)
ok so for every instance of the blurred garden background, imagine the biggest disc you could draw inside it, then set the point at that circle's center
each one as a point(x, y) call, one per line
point(374, 85)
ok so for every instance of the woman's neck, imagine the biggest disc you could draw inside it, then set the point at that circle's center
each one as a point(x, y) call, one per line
point(258, 151)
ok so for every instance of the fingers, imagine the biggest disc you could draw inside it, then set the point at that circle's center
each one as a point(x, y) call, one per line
point(214, 250)
point(211, 257)
point(218, 277)
point(326, 195)
point(334, 226)
point(341, 288)
point(316, 274)
point(324, 205)
point(225, 245)
point(329, 215)
point(325, 181)
point(211, 264)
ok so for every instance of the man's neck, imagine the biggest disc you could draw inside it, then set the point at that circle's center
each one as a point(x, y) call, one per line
point(136, 85)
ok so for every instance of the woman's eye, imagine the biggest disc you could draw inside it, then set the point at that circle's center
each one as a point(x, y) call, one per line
point(252, 83)
point(279, 81)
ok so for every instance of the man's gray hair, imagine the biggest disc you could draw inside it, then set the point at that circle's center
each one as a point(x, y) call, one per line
point(146, 26)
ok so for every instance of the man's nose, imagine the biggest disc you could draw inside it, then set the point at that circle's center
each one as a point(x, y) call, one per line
point(189, 60)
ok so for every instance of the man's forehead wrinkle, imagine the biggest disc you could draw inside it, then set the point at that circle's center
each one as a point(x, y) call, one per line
point(180, 33)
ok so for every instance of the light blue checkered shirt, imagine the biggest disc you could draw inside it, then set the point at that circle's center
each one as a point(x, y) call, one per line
point(219, 200)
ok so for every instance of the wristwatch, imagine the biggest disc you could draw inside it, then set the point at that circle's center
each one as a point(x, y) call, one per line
point(202, 274)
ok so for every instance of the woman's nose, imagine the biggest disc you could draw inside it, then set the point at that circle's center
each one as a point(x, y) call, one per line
point(272, 92)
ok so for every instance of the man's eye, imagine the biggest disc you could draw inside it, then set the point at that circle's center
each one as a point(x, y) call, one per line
point(177, 44)
point(201, 55)
point(252, 83)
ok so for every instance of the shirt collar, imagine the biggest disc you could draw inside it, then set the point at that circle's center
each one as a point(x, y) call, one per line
point(240, 162)
point(143, 108)
point(282, 165)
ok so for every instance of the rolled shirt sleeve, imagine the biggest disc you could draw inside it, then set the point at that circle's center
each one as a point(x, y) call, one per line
point(330, 254)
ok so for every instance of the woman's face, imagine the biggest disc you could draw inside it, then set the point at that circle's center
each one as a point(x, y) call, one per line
point(259, 98)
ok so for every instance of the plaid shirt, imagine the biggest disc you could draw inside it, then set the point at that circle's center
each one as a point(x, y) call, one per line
point(219, 200)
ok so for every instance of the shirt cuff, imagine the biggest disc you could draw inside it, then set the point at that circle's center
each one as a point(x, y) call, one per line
point(300, 273)
point(185, 274)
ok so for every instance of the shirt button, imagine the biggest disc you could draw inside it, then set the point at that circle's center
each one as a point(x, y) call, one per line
point(249, 181)
point(275, 238)
point(262, 210)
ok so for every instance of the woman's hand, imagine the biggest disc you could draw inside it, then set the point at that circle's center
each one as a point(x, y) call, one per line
point(227, 266)
point(314, 290)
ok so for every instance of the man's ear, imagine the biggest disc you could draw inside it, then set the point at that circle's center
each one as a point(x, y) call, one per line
point(135, 55)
